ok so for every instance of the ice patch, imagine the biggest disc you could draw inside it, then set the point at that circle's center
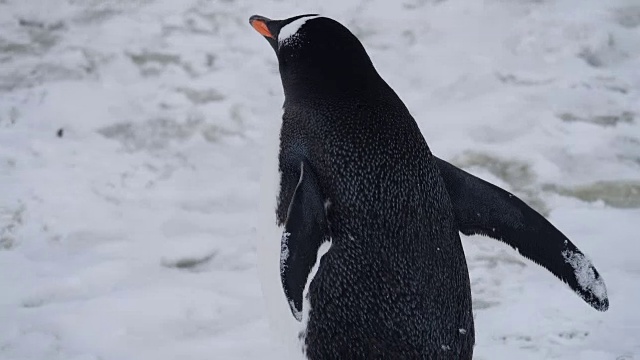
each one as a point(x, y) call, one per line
point(290, 31)
point(585, 275)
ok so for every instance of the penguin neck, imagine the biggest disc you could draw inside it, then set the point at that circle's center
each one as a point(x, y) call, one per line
point(356, 87)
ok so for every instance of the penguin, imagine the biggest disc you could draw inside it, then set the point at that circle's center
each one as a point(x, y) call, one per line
point(371, 264)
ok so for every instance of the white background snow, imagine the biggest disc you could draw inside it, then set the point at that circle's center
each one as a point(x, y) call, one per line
point(133, 236)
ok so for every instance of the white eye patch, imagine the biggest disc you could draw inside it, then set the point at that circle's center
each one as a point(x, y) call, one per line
point(290, 31)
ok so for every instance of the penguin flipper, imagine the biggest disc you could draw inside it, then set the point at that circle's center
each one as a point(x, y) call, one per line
point(484, 209)
point(305, 230)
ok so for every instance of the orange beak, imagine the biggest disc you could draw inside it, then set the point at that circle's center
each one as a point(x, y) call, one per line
point(262, 28)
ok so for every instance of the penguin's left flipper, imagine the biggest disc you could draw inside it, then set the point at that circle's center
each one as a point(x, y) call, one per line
point(484, 209)
point(305, 231)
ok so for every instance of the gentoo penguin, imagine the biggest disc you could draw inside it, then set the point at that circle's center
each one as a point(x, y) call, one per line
point(371, 264)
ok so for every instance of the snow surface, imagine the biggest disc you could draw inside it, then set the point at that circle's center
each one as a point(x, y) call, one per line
point(133, 235)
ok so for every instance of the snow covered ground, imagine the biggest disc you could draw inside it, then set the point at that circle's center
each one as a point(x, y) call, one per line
point(131, 142)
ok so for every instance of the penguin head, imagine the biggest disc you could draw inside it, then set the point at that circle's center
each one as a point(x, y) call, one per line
point(317, 57)
point(271, 29)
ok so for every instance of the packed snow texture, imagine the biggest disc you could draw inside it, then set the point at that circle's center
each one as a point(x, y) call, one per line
point(132, 136)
